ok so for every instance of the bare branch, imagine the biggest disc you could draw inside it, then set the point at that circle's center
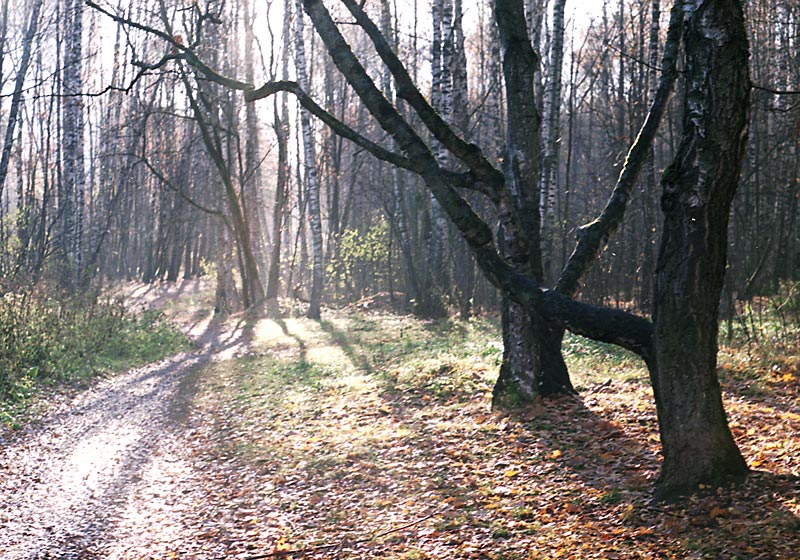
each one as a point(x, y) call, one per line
point(181, 51)
point(593, 237)
point(340, 128)
point(470, 154)
point(776, 91)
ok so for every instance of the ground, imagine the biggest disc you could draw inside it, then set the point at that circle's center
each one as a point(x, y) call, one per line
point(369, 435)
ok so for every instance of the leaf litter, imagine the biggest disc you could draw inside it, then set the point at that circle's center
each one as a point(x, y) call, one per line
point(369, 435)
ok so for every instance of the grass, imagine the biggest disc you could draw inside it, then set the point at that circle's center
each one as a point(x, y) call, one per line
point(369, 421)
point(51, 342)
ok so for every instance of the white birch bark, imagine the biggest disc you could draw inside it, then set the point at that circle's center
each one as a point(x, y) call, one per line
point(317, 276)
point(72, 143)
point(441, 100)
point(551, 135)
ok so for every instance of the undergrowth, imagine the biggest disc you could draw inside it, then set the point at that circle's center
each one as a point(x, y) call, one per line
point(370, 420)
point(48, 339)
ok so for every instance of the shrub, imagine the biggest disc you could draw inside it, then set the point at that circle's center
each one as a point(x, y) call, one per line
point(46, 338)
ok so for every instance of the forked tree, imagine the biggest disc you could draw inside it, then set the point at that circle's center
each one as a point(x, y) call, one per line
point(680, 351)
point(679, 346)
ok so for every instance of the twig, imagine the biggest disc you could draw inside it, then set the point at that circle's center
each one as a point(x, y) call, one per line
point(307, 550)
point(776, 91)
point(400, 528)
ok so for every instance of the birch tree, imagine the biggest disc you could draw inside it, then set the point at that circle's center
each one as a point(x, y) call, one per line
point(71, 190)
point(442, 101)
point(551, 133)
point(310, 166)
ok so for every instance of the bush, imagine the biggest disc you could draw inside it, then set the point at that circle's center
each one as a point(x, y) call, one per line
point(47, 338)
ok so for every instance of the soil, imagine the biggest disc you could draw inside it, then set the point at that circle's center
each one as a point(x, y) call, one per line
point(118, 472)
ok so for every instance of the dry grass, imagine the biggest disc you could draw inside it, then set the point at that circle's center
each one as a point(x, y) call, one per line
point(371, 436)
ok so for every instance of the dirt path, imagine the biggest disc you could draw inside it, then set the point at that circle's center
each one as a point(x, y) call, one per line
point(117, 472)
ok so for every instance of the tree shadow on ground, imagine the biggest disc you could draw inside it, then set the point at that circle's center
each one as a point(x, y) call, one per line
point(425, 455)
point(357, 357)
point(573, 470)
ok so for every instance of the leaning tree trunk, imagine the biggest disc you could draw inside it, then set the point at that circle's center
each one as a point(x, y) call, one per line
point(252, 289)
point(16, 98)
point(698, 189)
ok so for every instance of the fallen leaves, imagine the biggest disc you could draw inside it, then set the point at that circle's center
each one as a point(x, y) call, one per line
point(396, 455)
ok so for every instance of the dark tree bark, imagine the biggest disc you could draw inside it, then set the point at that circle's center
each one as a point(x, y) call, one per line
point(697, 192)
point(528, 371)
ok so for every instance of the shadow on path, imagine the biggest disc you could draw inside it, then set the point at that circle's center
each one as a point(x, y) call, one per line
point(68, 480)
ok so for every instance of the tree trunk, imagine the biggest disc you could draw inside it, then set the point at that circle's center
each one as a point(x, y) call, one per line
point(697, 192)
point(435, 266)
point(552, 141)
point(526, 374)
point(317, 272)
point(281, 197)
point(280, 209)
point(73, 180)
point(251, 191)
point(252, 293)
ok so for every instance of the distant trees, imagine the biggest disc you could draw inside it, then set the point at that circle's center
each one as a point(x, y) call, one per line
point(168, 173)
point(715, 26)
point(605, 96)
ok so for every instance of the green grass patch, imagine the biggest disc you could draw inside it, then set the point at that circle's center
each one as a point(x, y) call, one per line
point(591, 362)
point(47, 340)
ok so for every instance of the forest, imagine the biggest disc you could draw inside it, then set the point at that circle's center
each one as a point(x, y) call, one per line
point(419, 279)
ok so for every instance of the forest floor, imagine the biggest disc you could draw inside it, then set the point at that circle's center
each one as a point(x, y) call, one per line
point(369, 435)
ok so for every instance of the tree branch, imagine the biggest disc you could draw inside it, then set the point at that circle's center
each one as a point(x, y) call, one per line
point(776, 91)
point(181, 51)
point(340, 128)
point(180, 192)
point(593, 237)
point(470, 154)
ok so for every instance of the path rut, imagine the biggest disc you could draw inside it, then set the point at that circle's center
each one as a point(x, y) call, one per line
point(118, 472)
